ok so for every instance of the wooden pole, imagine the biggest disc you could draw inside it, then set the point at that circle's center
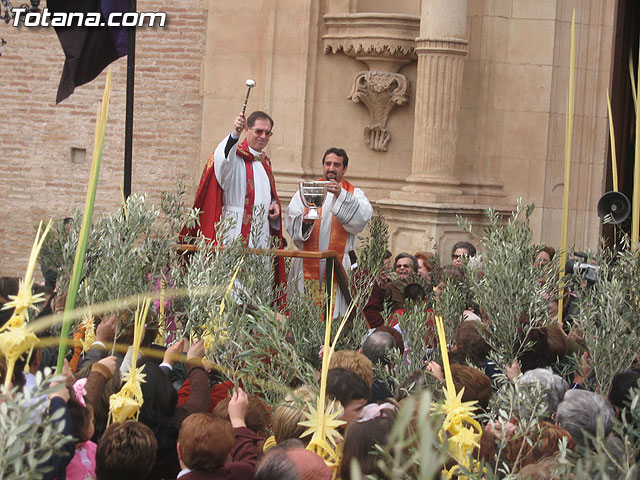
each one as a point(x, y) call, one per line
point(635, 204)
point(128, 122)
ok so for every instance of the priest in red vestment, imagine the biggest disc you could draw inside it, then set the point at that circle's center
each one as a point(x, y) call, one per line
point(236, 180)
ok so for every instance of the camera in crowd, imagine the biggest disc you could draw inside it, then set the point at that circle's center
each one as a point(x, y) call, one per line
point(579, 266)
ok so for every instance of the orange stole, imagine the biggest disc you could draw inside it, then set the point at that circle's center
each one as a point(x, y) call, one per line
point(337, 241)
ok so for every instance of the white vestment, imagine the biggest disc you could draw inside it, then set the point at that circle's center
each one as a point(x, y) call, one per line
point(353, 211)
point(232, 176)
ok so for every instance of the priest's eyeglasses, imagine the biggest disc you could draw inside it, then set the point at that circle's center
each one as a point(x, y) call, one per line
point(260, 131)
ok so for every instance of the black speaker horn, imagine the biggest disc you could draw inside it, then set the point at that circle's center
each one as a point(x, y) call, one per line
point(614, 207)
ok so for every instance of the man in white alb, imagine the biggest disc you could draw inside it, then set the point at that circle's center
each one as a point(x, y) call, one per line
point(244, 173)
point(236, 180)
point(345, 213)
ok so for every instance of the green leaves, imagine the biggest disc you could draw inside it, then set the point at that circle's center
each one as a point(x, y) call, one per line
point(513, 293)
point(28, 434)
point(450, 305)
point(608, 315)
point(269, 359)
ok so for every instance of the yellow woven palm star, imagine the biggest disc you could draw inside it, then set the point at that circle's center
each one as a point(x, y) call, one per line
point(324, 427)
point(127, 402)
point(133, 378)
point(13, 343)
point(89, 333)
point(454, 408)
point(24, 300)
point(460, 430)
point(16, 338)
point(326, 424)
point(462, 439)
point(122, 407)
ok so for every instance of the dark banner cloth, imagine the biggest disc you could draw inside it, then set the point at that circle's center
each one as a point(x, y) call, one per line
point(88, 50)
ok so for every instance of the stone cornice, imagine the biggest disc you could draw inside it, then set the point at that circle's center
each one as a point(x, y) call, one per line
point(365, 34)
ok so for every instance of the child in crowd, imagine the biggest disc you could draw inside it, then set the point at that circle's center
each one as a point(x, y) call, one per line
point(373, 425)
point(83, 463)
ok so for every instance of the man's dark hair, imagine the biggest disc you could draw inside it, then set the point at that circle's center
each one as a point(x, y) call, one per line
point(538, 355)
point(414, 292)
point(339, 152)
point(548, 250)
point(251, 119)
point(623, 382)
point(126, 451)
point(471, 344)
point(471, 250)
point(376, 345)
point(414, 260)
point(345, 386)
point(450, 272)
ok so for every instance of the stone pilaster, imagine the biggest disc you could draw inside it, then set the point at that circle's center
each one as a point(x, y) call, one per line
point(441, 49)
point(424, 210)
point(438, 92)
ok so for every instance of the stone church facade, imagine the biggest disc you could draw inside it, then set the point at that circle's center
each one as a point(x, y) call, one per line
point(446, 107)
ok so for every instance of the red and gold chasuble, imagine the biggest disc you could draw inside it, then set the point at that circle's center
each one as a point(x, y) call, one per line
point(337, 241)
point(209, 201)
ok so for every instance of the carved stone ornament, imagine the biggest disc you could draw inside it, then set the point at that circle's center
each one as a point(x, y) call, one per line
point(380, 92)
point(385, 42)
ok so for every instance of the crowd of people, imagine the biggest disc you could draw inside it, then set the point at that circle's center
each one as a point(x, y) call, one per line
point(195, 423)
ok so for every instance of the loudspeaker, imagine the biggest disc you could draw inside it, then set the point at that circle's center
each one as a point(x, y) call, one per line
point(614, 207)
